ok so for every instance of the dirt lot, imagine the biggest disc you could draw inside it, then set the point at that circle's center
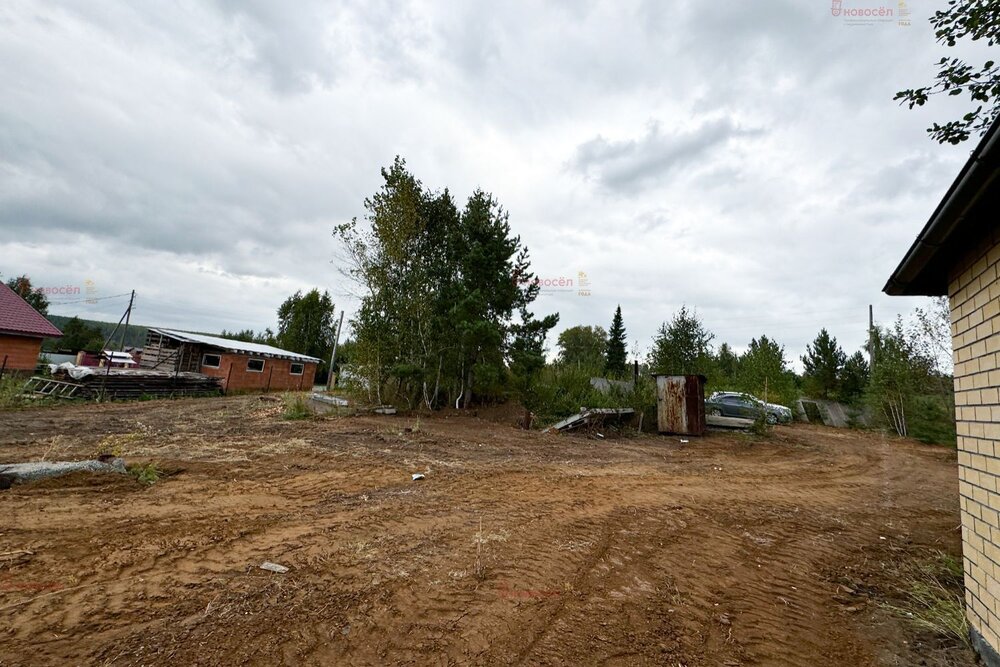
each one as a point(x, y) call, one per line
point(518, 548)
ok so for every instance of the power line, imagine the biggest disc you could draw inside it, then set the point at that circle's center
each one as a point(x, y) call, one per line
point(90, 299)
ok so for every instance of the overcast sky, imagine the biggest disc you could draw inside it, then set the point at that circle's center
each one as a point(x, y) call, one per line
point(743, 158)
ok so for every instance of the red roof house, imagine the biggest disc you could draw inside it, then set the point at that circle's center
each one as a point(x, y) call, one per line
point(22, 329)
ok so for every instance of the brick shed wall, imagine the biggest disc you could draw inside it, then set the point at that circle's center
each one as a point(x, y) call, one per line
point(277, 370)
point(21, 352)
point(974, 294)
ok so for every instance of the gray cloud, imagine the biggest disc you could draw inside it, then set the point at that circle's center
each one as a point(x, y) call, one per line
point(634, 164)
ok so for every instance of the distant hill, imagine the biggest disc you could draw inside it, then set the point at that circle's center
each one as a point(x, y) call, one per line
point(135, 337)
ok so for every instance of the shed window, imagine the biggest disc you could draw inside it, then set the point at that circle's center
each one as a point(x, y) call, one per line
point(211, 360)
point(296, 369)
point(255, 365)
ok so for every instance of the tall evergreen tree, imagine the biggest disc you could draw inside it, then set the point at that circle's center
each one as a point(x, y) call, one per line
point(726, 362)
point(854, 377)
point(614, 354)
point(823, 362)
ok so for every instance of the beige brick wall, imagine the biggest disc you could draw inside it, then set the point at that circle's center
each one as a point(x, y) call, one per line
point(974, 293)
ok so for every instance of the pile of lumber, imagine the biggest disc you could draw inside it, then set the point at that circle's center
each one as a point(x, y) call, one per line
point(122, 384)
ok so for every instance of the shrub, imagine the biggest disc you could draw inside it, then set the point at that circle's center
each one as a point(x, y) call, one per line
point(932, 419)
point(147, 474)
point(11, 387)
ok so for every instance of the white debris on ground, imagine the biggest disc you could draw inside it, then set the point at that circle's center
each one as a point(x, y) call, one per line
point(273, 567)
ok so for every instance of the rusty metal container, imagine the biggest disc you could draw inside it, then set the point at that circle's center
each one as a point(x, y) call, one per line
point(680, 404)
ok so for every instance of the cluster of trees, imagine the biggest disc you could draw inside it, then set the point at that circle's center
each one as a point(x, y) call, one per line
point(830, 374)
point(594, 349)
point(911, 383)
point(79, 335)
point(683, 346)
point(445, 296)
point(908, 389)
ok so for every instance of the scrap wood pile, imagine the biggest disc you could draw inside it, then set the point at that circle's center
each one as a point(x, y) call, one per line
point(593, 418)
point(68, 381)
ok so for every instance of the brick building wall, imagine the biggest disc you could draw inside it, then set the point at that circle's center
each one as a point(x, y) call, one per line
point(974, 295)
point(21, 352)
point(276, 375)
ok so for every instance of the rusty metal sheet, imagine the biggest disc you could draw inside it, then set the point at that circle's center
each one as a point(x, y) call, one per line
point(680, 404)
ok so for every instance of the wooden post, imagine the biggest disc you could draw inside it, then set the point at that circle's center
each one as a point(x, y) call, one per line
point(229, 376)
point(333, 353)
point(871, 338)
point(268, 388)
point(128, 316)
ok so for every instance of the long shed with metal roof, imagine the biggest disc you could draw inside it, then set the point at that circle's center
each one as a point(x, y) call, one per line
point(242, 366)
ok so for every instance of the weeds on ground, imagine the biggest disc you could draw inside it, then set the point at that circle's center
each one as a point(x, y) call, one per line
point(10, 393)
point(296, 406)
point(932, 597)
point(114, 443)
point(480, 570)
point(147, 474)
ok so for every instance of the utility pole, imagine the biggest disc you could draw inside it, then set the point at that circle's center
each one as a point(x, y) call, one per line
point(333, 353)
point(871, 338)
point(128, 316)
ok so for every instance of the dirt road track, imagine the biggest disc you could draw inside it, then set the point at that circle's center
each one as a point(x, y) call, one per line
point(518, 548)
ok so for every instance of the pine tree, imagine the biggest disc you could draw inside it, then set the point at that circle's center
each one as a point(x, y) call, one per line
point(726, 363)
point(614, 354)
point(682, 346)
point(854, 377)
point(823, 362)
point(764, 373)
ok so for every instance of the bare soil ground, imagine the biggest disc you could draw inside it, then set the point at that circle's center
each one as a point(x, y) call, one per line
point(518, 548)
